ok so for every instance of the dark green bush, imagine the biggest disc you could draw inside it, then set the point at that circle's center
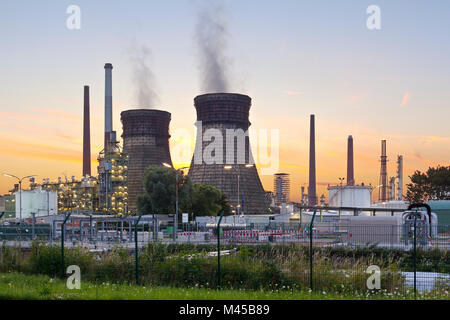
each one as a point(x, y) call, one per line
point(47, 260)
point(251, 267)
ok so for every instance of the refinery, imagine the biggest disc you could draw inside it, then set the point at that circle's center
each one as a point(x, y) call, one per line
point(302, 166)
point(146, 135)
point(106, 204)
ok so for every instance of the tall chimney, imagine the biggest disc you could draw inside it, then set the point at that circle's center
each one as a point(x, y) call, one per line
point(86, 135)
point(312, 198)
point(400, 177)
point(108, 104)
point(383, 173)
point(350, 168)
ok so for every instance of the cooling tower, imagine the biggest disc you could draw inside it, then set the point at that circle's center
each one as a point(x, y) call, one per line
point(222, 156)
point(146, 142)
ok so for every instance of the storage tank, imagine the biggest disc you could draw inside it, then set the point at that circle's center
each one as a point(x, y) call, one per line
point(38, 201)
point(349, 196)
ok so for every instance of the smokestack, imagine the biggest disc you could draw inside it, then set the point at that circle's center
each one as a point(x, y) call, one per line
point(312, 198)
point(86, 135)
point(108, 104)
point(350, 168)
point(400, 178)
point(383, 173)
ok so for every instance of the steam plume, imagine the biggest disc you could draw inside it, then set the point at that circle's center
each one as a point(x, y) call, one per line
point(211, 41)
point(143, 78)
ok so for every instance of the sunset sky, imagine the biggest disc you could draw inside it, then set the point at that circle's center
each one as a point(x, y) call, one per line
point(294, 58)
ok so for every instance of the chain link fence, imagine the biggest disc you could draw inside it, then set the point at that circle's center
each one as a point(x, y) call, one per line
point(340, 256)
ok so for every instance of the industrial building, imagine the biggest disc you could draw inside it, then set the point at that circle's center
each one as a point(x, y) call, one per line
point(7, 205)
point(281, 187)
point(73, 195)
point(112, 181)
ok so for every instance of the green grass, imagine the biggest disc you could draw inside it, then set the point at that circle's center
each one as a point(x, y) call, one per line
point(28, 287)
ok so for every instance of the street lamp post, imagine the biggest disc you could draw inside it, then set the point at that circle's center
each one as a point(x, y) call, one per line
point(373, 189)
point(20, 190)
point(176, 199)
point(340, 189)
point(238, 184)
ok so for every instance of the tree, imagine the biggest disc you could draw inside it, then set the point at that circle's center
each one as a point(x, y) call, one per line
point(208, 201)
point(431, 185)
point(160, 191)
point(160, 194)
point(225, 205)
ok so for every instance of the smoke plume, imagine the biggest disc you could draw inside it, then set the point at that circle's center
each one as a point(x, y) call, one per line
point(143, 78)
point(210, 36)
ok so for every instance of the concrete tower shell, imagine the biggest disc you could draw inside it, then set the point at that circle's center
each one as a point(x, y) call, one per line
point(223, 113)
point(146, 142)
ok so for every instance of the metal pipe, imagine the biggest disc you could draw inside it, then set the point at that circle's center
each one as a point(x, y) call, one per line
point(423, 205)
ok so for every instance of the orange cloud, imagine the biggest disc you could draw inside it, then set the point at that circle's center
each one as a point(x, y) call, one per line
point(57, 113)
point(293, 93)
point(405, 99)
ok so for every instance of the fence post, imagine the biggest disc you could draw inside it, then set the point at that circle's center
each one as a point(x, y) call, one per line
point(62, 244)
point(218, 249)
point(33, 222)
point(311, 250)
point(414, 255)
point(136, 252)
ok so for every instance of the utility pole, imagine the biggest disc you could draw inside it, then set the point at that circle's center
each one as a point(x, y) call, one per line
point(175, 222)
point(228, 167)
